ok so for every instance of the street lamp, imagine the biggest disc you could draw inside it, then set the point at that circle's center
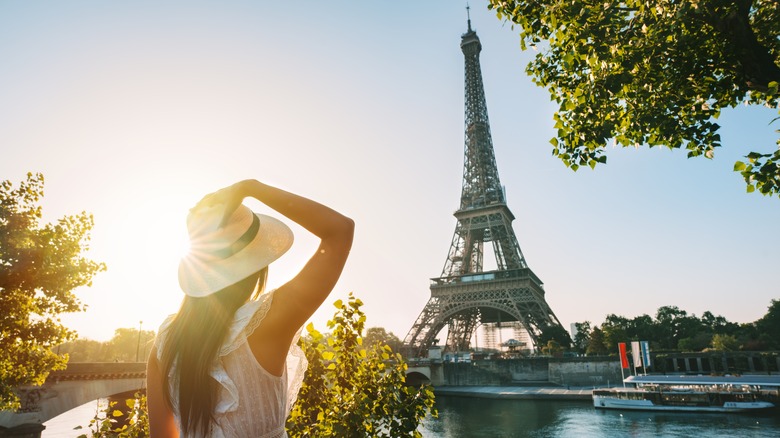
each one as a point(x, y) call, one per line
point(138, 345)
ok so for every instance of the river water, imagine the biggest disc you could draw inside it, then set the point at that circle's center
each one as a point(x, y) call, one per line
point(491, 418)
point(478, 418)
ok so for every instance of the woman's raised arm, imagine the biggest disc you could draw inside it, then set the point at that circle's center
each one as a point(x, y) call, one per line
point(299, 298)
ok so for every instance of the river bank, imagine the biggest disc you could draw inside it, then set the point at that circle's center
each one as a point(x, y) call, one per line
point(517, 392)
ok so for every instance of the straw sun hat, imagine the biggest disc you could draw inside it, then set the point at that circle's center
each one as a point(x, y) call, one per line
point(223, 255)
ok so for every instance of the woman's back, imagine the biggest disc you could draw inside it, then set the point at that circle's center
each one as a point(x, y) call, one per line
point(250, 401)
point(261, 408)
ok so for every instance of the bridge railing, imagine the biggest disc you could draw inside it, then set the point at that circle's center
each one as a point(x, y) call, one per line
point(99, 371)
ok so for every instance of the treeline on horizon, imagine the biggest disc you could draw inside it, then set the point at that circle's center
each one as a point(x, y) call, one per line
point(127, 345)
point(674, 329)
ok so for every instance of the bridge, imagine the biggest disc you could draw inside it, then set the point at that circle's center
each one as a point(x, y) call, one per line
point(69, 388)
point(424, 372)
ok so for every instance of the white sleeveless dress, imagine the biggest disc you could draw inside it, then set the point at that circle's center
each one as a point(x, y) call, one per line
point(251, 402)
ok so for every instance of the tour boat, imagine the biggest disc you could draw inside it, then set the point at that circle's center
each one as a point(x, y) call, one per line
point(691, 393)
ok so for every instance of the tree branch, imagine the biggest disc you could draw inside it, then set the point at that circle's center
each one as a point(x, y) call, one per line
point(755, 63)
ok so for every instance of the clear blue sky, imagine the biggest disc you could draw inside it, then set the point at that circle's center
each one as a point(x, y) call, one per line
point(134, 110)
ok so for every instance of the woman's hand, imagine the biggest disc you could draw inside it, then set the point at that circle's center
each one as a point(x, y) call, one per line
point(229, 197)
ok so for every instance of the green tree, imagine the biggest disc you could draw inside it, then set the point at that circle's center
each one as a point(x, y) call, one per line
point(770, 324)
point(83, 350)
point(652, 72)
point(724, 343)
point(718, 324)
point(614, 330)
point(552, 348)
point(351, 390)
point(674, 325)
point(582, 336)
point(596, 343)
point(40, 267)
point(127, 345)
point(555, 333)
point(641, 328)
point(380, 336)
point(697, 342)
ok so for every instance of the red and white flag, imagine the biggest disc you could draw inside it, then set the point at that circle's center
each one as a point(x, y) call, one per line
point(636, 354)
point(623, 357)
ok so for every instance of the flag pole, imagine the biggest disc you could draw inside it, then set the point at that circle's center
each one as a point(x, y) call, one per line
point(623, 361)
point(636, 356)
point(645, 347)
point(622, 377)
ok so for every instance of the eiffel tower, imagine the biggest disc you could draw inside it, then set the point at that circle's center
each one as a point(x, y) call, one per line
point(466, 296)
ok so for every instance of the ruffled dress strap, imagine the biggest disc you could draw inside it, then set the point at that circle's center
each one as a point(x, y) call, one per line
point(246, 319)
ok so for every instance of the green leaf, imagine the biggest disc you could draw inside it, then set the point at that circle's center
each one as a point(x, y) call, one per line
point(357, 391)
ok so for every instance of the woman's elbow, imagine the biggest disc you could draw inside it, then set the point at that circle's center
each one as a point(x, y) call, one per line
point(349, 227)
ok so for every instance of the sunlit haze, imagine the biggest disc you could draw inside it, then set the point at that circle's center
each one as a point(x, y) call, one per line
point(134, 110)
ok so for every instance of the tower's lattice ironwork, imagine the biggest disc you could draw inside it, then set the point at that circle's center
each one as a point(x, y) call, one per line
point(465, 296)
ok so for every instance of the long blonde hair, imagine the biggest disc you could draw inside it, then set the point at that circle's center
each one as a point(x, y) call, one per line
point(192, 342)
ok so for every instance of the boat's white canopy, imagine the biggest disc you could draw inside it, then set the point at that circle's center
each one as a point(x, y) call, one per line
point(753, 380)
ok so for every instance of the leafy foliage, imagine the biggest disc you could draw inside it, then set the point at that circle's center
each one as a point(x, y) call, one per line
point(552, 348)
point(724, 342)
point(770, 323)
point(353, 390)
point(131, 421)
point(655, 72)
point(378, 335)
point(122, 347)
point(40, 267)
point(557, 334)
point(675, 329)
point(596, 345)
point(583, 332)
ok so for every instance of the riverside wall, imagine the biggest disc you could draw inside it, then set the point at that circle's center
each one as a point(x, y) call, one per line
point(533, 371)
point(600, 371)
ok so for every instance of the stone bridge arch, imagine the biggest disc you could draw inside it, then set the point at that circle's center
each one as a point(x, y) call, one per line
point(418, 376)
point(64, 390)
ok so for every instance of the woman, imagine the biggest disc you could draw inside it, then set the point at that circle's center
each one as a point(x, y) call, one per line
point(220, 367)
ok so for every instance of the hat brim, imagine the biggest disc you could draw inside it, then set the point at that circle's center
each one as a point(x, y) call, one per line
point(199, 276)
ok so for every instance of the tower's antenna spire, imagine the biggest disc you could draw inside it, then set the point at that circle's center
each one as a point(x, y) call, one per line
point(468, 15)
